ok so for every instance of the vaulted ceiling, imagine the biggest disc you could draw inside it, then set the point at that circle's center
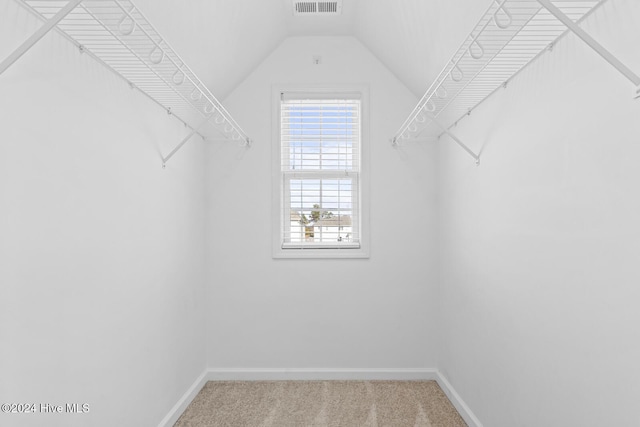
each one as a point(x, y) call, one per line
point(224, 40)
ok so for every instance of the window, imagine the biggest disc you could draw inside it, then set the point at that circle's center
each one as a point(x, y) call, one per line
point(319, 146)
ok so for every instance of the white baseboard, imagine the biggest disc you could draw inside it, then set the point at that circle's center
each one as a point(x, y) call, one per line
point(309, 374)
point(271, 374)
point(456, 400)
point(184, 401)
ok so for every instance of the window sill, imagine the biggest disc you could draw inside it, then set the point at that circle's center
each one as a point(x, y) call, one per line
point(326, 246)
point(295, 251)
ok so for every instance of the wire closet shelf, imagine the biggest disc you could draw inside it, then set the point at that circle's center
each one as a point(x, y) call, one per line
point(120, 37)
point(508, 36)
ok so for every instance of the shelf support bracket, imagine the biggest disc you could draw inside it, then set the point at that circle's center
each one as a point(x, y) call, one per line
point(455, 138)
point(40, 33)
point(181, 144)
point(601, 50)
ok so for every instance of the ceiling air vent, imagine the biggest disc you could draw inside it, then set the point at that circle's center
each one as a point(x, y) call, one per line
point(317, 7)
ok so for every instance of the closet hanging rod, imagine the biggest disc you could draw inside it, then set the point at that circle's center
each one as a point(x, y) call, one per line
point(508, 36)
point(120, 37)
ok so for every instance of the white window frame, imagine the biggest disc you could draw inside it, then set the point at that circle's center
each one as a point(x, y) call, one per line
point(277, 183)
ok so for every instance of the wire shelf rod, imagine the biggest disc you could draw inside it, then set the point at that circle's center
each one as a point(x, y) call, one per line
point(509, 36)
point(549, 46)
point(434, 85)
point(120, 37)
point(217, 105)
point(475, 76)
point(134, 53)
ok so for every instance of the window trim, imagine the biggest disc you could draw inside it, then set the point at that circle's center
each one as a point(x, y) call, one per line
point(277, 194)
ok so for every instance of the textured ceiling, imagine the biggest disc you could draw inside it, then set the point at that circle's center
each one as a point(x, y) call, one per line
point(415, 38)
point(221, 40)
point(339, 25)
point(224, 40)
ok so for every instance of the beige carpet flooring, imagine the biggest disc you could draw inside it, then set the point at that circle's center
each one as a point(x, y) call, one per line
point(321, 404)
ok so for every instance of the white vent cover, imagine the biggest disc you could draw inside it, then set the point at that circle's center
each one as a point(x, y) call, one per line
point(317, 7)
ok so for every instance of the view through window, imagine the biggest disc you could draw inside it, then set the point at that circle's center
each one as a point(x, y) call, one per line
point(320, 164)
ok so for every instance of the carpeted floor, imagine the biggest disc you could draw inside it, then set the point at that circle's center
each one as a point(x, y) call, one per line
point(321, 404)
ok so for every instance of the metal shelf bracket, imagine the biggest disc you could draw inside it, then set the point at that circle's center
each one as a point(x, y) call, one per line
point(601, 50)
point(178, 147)
point(196, 131)
point(455, 139)
point(182, 143)
point(40, 33)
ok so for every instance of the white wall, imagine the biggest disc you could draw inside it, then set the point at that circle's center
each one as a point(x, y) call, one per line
point(101, 251)
point(373, 313)
point(541, 242)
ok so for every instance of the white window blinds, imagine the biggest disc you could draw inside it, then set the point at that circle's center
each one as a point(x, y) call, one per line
point(320, 165)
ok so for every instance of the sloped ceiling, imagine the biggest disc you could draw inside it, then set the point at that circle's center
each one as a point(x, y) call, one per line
point(224, 40)
point(415, 38)
point(221, 40)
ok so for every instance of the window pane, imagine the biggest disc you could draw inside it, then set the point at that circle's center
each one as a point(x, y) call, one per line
point(321, 210)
